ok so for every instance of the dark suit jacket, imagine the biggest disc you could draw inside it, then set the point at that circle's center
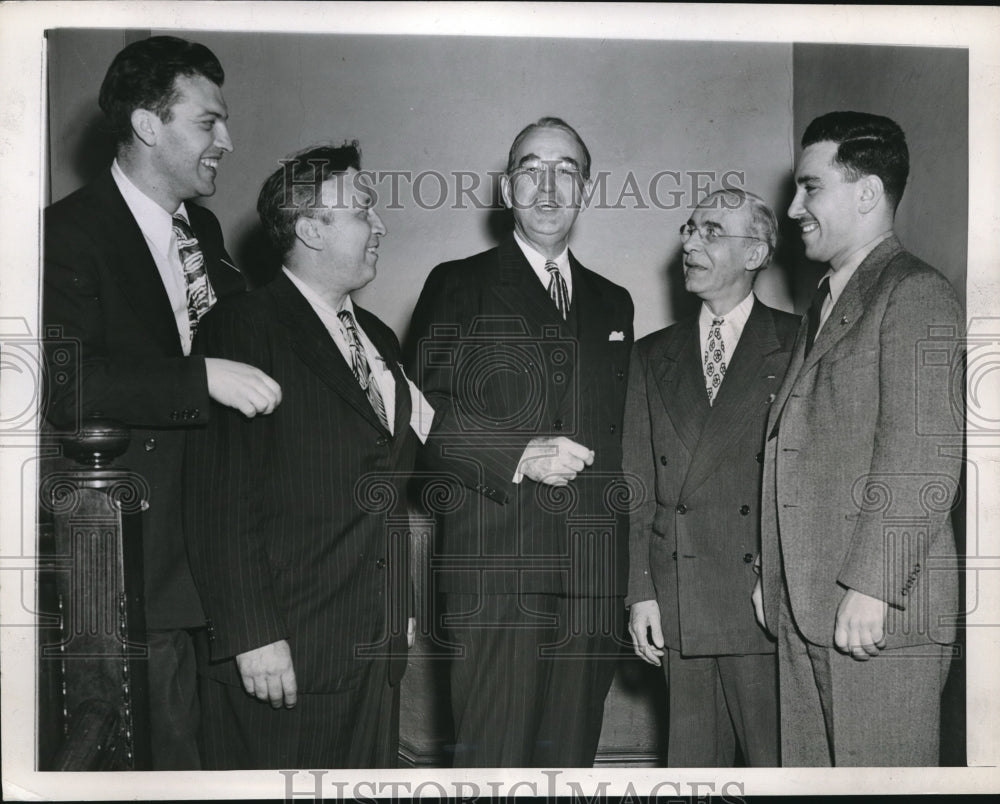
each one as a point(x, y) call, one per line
point(102, 288)
point(863, 456)
point(500, 367)
point(696, 534)
point(296, 521)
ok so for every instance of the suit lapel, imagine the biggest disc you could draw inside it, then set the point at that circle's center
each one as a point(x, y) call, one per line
point(745, 388)
point(843, 317)
point(316, 348)
point(679, 378)
point(134, 268)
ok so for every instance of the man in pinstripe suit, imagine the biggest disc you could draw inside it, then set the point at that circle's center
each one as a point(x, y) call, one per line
point(292, 544)
point(523, 353)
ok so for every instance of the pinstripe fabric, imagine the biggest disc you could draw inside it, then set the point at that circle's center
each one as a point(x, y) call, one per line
point(500, 365)
point(294, 517)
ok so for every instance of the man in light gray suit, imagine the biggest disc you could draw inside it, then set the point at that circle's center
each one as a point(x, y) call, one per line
point(861, 469)
point(699, 392)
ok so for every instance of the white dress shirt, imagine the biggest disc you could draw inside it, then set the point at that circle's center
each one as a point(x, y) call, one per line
point(840, 277)
point(732, 327)
point(422, 414)
point(157, 228)
point(537, 262)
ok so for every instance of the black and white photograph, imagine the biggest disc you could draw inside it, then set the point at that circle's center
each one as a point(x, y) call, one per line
point(478, 400)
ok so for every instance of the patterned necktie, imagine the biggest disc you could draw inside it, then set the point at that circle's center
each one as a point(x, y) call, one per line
point(200, 295)
point(362, 371)
point(816, 311)
point(557, 288)
point(715, 359)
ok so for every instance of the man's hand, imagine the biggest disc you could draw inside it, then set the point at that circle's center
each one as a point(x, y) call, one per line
point(268, 674)
point(643, 616)
point(757, 596)
point(411, 631)
point(240, 386)
point(860, 625)
point(554, 461)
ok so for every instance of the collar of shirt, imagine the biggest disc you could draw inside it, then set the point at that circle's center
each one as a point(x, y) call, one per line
point(381, 373)
point(537, 262)
point(732, 325)
point(840, 277)
point(156, 223)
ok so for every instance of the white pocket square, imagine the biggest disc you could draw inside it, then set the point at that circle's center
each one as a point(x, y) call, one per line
point(616, 336)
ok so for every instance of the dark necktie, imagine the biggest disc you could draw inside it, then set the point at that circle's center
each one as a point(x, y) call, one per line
point(815, 311)
point(715, 359)
point(362, 371)
point(557, 288)
point(200, 295)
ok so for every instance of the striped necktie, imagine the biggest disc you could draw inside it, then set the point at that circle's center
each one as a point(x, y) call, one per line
point(362, 371)
point(200, 295)
point(557, 288)
point(715, 359)
point(816, 312)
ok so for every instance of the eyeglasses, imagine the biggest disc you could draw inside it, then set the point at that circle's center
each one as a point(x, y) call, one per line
point(708, 234)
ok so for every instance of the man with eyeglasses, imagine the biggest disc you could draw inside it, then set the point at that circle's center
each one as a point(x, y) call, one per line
point(698, 397)
point(864, 449)
point(523, 353)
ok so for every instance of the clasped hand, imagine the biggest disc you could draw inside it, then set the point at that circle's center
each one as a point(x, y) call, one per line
point(554, 461)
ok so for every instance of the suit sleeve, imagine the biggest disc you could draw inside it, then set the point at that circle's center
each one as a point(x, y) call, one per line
point(226, 502)
point(637, 464)
point(482, 460)
point(141, 391)
point(912, 473)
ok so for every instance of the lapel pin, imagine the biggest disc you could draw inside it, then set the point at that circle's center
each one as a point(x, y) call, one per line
point(843, 319)
point(770, 398)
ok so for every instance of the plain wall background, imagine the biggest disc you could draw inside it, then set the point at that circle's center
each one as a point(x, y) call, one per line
point(455, 103)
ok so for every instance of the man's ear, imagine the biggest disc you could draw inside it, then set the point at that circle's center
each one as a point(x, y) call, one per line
point(756, 256)
point(506, 191)
point(307, 232)
point(872, 191)
point(145, 125)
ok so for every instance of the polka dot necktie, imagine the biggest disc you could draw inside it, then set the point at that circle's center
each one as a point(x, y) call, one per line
point(557, 288)
point(715, 359)
point(200, 295)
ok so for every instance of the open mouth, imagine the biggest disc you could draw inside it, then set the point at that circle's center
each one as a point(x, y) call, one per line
point(806, 227)
point(211, 163)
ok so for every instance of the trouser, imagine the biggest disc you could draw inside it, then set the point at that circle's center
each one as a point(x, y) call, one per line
point(354, 728)
point(173, 700)
point(717, 702)
point(838, 711)
point(529, 686)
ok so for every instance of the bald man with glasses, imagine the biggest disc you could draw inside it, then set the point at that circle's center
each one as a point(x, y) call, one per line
point(697, 403)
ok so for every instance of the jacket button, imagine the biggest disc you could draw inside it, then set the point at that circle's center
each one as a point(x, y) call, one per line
point(681, 509)
point(174, 415)
point(744, 509)
point(380, 563)
point(748, 558)
point(760, 457)
point(663, 460)
point(903, 592)
point(613, 428)
point(673, 555)
point(557, 424)
point(382, 441)
point(195, 413)
point(149, 444)
point(620, 374)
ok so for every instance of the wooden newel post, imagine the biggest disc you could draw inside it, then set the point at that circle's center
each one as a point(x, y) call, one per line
point(97, 560)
